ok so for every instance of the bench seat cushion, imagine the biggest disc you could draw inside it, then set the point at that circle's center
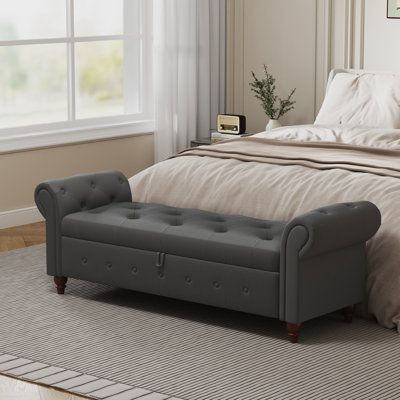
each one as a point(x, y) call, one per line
point(228, 239)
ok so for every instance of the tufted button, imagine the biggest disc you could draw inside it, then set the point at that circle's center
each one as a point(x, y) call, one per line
point(62, 190)
point(176, 223)
point(216, 284)
point(267, 237)
point(92, 185)
point(120, 180)
point(323, 212)
point(83, 204)
point(245, 290)
point(351, 205)
point(134, 270)
point(160, 274)
point(188, 280)
point(84, 260)
point(108, 264)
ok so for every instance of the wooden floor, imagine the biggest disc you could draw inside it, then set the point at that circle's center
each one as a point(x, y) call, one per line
point(10, 388)
point(22, 236)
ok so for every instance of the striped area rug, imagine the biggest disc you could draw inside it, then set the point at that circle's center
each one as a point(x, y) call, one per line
point(114, 344)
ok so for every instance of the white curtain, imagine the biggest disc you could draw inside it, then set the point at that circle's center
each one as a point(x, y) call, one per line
point(189, 68)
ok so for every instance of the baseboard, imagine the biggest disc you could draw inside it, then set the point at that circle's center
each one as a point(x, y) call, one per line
point(21, 216)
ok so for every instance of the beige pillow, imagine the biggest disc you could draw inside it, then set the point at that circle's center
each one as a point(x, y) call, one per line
point(367, 99)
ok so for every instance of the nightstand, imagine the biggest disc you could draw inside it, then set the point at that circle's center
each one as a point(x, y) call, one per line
point(200, 142)
point(203, 142)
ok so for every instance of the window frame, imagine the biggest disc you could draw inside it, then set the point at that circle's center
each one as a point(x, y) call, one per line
point(98, 128)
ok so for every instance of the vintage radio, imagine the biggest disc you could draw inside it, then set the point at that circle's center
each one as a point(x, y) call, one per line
point(233, 124)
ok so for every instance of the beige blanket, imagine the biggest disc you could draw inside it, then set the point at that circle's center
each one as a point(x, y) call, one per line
point(320, 155)
point(268, 180)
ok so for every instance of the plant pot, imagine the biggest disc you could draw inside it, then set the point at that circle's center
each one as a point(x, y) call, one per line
point(273, 124)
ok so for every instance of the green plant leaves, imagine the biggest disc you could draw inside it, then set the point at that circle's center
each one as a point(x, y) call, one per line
point(265, 91)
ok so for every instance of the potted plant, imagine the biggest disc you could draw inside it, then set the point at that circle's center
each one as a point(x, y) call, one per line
point(274, 107)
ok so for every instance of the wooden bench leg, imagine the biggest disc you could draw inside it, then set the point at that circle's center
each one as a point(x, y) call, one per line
point(348, 313)
point(60, 282)
point(293, 332)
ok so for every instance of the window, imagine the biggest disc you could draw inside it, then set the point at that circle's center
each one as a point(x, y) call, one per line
point(73, 63)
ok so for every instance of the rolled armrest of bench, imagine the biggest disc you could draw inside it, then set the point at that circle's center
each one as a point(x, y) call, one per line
point(59, 197)
point(333, 227)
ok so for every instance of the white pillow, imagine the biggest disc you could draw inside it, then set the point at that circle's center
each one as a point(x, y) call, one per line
point(367, 99)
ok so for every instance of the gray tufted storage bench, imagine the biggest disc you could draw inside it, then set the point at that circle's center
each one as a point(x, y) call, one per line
point(293, 270)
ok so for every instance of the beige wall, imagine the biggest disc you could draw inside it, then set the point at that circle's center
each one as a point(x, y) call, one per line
point(21, 172)
point(280, 34)
point(302, 40)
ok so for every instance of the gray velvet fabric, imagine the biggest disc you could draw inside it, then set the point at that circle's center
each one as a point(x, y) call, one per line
point(227, 239)
point(296, 271)
point(337, 226)
point(323, 259)
point(59, 197)
point(228, 286)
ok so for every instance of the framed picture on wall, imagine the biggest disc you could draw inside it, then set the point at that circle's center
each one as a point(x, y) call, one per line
point(393, 9)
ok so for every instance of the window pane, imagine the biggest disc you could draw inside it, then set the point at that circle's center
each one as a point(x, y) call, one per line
point(98, 17)
point(33, 84)
point(99, 79)
point(28, 19)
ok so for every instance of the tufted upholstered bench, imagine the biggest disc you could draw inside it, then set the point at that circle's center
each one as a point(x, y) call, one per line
point(293, 271)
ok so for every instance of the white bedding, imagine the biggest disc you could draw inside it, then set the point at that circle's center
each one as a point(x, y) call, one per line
point(362, 99)
point(360, 136)
point(279, 192)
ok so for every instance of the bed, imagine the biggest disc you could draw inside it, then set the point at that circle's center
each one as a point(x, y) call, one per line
point(350, 153)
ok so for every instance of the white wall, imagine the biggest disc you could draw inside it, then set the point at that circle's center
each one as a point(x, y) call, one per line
point(362, 36)
point(382, 38)
point(302, 40)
